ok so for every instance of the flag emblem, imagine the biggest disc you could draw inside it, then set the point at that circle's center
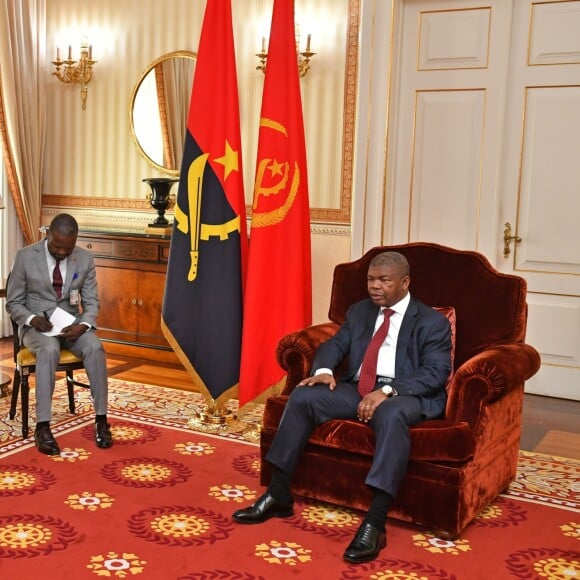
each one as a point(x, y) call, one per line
point(277, 182)
point(190, 222)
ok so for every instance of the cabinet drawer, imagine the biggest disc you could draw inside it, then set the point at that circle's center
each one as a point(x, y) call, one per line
point(132, 250)
point(96, 247)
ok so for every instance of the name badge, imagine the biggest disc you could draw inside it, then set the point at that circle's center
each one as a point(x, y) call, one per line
point(74, 296)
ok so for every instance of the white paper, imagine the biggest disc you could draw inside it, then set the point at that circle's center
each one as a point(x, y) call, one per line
point(59, 319)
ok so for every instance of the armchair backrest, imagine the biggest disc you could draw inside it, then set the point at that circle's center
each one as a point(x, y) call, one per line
point(490, 307)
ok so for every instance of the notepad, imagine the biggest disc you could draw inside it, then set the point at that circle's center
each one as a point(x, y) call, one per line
point(59, 319)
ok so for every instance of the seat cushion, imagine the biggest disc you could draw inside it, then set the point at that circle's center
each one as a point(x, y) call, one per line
point(26, 358)
point(437, 440)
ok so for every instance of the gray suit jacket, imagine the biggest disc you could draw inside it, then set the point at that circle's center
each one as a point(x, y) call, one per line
point(422, 359)
point(30, 291)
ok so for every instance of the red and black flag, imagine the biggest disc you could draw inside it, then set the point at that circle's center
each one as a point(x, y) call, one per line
point(278, 297)
point(203, 301)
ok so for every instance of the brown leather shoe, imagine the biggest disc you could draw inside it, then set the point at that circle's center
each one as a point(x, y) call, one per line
point(103, 437)
point(263, 509)
point(366, 544)
point(45, 442)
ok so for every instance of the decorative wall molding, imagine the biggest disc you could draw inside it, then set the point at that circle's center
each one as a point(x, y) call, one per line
point(75, 201)
point(117, 215)
point(330, 229)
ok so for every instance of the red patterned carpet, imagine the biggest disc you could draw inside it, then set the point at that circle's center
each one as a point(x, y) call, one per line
point(158, 505)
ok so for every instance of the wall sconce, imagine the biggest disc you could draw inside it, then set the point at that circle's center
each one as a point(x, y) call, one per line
point(303, 57)
point(77, 72)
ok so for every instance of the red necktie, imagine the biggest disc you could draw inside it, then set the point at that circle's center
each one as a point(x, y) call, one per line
point(57, 279)
point(368, 371)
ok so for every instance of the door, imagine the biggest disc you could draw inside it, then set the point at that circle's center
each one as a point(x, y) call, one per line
point(447, 122)
point(118, 315)
point(540, 182)
point(151, 286)
point(485, 131)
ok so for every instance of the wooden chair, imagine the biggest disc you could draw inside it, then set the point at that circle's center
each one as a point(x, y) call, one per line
point(25, 365)
point(4, 378)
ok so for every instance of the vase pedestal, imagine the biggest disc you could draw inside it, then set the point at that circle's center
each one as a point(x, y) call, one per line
point(161, 200)
point(159, 231)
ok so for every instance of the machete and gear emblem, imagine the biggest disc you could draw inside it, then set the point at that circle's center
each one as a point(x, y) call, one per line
point(190, 223)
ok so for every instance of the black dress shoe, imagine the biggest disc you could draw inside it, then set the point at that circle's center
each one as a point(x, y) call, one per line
point(366, 544)
point(45, 442)
point(103, 437)
point(263, 509)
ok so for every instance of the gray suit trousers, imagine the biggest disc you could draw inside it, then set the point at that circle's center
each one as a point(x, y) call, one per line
point(47, 351)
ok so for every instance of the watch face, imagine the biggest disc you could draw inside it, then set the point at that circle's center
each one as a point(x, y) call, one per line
point(387, 390)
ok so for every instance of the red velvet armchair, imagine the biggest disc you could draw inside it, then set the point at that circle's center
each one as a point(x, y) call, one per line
point(459, 463)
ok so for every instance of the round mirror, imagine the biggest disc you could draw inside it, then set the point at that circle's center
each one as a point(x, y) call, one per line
point(159, 109)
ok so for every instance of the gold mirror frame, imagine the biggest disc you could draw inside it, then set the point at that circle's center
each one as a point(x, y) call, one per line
point(171, 148)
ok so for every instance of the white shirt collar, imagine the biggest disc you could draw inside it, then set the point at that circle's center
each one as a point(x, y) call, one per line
point(401, 306)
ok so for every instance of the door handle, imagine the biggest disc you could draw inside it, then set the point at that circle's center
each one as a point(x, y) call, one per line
point(507, 238)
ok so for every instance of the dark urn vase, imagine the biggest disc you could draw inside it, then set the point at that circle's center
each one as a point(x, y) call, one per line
point(160, 198)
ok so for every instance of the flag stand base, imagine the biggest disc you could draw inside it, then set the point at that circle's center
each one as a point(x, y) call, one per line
point(252, 432)
point(213, 420)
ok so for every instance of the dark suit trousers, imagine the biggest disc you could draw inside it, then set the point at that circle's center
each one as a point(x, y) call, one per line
point(308, 407)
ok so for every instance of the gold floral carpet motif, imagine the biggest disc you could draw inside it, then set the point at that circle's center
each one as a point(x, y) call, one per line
point(158, 505)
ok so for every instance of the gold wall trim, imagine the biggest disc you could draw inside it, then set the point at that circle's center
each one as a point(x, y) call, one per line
point(94, 202)
point(350, 81)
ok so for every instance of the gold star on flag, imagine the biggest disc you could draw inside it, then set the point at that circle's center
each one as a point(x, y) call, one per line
point(229, 160)
point(275, 168)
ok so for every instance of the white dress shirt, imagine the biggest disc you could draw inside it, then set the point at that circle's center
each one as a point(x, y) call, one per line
point(387, 351)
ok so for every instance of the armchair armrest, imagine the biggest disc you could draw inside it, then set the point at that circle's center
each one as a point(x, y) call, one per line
point(487, 377)
point(296, 350)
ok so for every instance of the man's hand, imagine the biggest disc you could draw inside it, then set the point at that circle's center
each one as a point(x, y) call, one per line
point(321, 379)
point(41, 324)
point(72, 332)
point(368, 405)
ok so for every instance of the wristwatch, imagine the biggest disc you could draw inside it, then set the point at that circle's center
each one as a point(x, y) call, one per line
point(388, 391)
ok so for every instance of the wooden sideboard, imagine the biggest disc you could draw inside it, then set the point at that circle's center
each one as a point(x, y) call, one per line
point(131, 271)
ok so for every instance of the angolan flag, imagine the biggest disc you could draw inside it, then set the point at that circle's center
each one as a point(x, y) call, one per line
point(202, 305)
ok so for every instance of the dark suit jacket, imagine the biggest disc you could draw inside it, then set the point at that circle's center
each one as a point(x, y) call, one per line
point(423, 355)
point(30, 289)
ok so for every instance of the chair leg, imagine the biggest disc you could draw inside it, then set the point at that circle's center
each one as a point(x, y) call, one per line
point(71, 391)
point(15, 391)
point(24, 398)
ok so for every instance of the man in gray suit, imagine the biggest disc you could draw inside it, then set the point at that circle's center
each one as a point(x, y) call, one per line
point(49, 274)
point(393, 381)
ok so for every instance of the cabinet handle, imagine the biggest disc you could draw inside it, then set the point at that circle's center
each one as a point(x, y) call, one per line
point(140, 302)
point(89, 246)
point(134, 301)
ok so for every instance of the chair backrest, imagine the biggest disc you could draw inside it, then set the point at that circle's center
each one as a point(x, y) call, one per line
point(490, 307)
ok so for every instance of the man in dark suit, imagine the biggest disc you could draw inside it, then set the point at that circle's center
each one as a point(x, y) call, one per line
point(404, 385)
point(49, 274)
